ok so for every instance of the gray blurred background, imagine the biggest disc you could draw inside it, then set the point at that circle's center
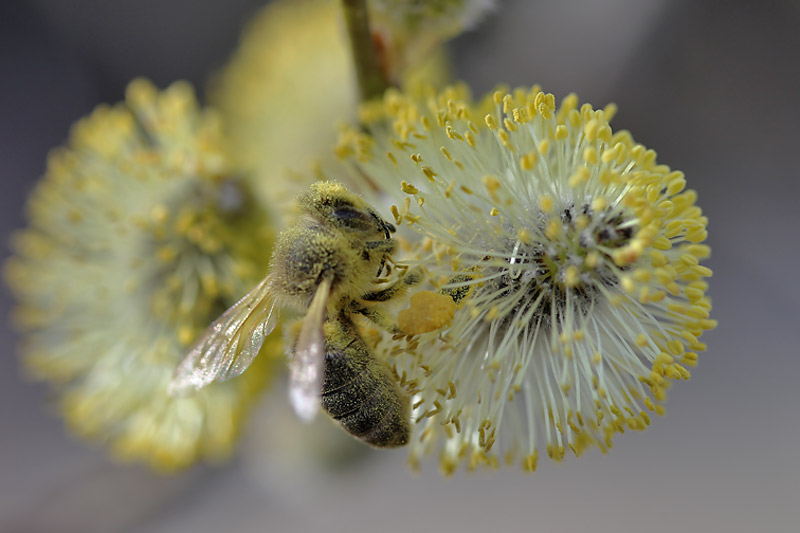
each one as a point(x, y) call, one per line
point(712, 86)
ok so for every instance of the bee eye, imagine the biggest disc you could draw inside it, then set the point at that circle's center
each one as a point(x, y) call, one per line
point(347, 214)
point(350, 218)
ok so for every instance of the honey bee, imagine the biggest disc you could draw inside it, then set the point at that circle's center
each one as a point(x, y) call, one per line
point(327, 266)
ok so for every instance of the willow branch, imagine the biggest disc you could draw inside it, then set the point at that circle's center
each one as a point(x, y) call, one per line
point(371, 81)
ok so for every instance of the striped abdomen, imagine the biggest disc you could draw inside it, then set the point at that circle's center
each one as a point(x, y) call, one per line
point(360, 392)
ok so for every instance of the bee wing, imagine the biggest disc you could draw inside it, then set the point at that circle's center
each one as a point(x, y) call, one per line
point(308, 365)
point(230, 343)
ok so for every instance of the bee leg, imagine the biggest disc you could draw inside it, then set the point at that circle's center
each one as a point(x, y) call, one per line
point(378, 318)
point(413, 277)
point(386, 246)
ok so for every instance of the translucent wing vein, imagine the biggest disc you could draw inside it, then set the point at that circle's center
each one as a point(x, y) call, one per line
point(230, 343)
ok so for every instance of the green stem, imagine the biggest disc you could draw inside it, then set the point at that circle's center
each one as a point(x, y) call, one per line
point(371, 81)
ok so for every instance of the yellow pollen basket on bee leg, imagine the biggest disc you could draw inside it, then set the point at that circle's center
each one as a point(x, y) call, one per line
point(428, 312)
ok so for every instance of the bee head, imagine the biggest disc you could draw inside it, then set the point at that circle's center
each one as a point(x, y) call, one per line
point(332, 204)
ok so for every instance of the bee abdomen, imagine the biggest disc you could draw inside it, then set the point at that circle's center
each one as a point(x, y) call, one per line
point(374, 410)
point(394, 429)
point(361, 393)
